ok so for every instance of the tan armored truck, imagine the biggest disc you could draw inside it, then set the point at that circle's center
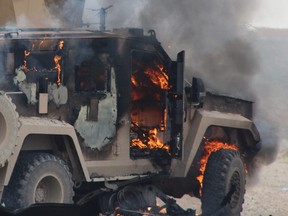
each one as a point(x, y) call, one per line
point(108, 116)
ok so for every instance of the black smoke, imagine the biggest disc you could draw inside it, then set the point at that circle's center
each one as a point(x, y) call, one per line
point(220, 48)
point(213, 34)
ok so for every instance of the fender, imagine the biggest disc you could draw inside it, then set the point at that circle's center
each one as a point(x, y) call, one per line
point(201, 121)
point(46, 126)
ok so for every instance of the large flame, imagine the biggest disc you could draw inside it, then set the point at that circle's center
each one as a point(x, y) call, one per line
point(209, 147)
point(156, 76)
point(149, 82)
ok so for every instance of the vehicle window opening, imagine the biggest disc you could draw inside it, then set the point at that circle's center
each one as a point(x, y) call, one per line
point(150, 84)
point(90, 76)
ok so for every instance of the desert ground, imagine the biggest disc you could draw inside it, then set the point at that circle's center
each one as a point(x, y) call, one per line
point(266, 194)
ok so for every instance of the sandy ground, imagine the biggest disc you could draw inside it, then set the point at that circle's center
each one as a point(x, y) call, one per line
point(266, 195)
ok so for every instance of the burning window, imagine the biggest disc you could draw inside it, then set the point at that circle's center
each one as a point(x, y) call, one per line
point(43, 57)
point(150, 83)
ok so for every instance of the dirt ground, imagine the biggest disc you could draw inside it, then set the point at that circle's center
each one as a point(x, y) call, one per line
point(266, 195)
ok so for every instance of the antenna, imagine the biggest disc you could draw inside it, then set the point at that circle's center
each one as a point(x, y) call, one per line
point(102, 15)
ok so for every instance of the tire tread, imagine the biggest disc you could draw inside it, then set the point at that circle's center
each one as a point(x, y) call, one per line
point(14, 193)
point(215, 180)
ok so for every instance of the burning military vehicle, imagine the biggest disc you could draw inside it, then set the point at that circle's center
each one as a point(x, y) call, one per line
point(109, 117)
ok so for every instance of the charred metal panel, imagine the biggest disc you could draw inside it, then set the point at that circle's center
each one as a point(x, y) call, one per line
point(228, 105)
point(97, 134)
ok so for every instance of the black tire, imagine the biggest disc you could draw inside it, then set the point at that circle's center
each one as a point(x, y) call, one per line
point(38, 178)
point(224, 184)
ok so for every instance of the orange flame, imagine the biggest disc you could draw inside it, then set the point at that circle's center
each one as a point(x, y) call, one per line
point(57, 60)
point(158, 77)
point(61, 44)
point(153, 142)
point(163, 211)
point(137, 142)
point(133, 80)
point(209, 147)
point(26, 53)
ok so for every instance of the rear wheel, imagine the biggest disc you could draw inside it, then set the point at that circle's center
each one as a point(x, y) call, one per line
point(38, 178)
point(223, 184)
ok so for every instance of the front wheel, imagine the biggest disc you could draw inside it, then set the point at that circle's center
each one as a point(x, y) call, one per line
point(223, 184)
point(38, 178)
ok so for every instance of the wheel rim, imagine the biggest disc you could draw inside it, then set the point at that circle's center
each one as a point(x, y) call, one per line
point(48, 190)
point(236, 189)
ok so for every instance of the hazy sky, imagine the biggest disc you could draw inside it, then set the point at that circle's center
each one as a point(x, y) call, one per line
point(271, 13)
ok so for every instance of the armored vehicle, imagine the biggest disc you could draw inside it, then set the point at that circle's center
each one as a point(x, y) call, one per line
point(109, 116)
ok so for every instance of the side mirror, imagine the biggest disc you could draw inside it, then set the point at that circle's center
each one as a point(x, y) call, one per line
point(197, 92)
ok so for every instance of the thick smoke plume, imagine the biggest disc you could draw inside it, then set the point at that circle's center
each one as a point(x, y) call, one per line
point(213, 34)
point(219, 47)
